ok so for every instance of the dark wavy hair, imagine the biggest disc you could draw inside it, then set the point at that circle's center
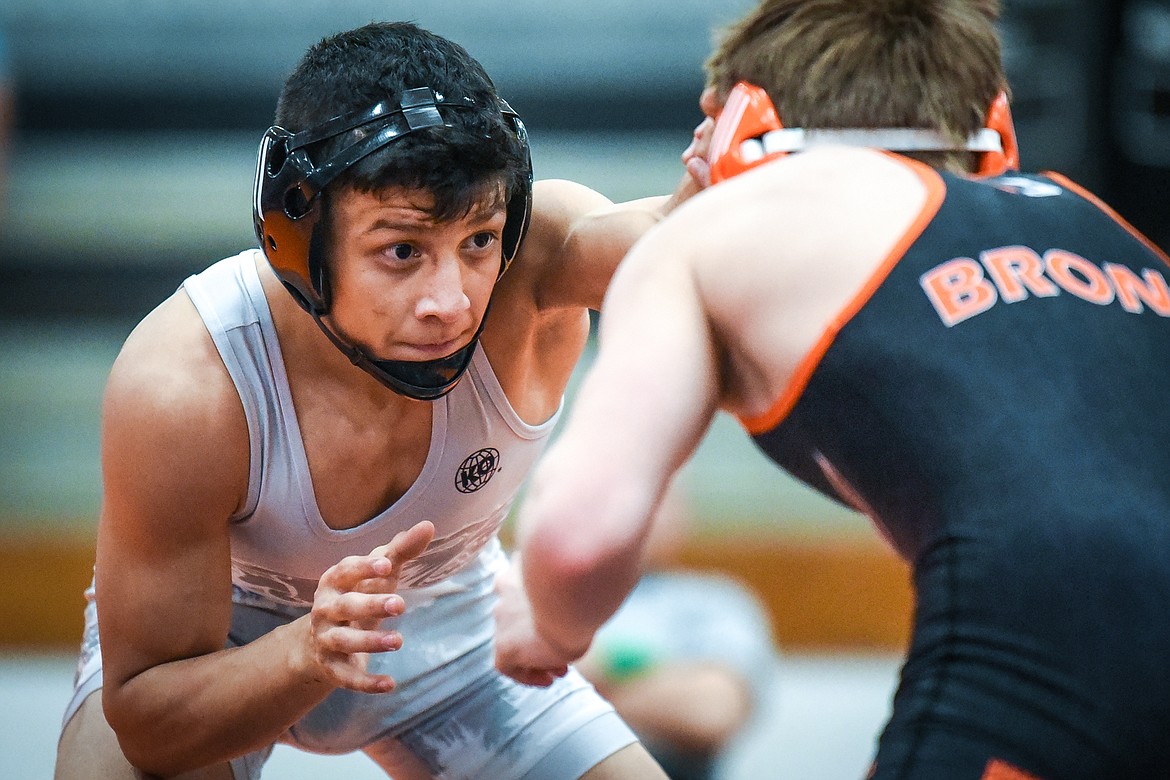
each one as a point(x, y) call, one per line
point(478, 157)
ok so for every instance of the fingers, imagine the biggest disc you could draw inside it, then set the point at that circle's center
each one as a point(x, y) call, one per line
point(695, 155)
point(700, 171)
point(348, 573)
point(353, 678)
point(353, 598)
point(700, 144)
point(378, 571)
point(350, 640)
point(407, 545)
point(359, 606)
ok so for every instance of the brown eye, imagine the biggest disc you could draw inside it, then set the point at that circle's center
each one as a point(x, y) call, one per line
point(402, 251)
point(482, 240)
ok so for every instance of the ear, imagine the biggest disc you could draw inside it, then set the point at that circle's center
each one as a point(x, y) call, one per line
point(747, 114)
point(999, 119)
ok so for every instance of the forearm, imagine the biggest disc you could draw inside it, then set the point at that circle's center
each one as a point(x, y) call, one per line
point(570, 603)
point(205, 710)
point(581, 552)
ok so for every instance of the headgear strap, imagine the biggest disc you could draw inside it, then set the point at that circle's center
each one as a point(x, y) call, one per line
point(748, 132)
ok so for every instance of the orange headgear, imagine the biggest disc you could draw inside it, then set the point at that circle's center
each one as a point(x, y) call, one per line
point(748, 132)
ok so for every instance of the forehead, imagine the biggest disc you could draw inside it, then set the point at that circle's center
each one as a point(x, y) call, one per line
point(416, 205)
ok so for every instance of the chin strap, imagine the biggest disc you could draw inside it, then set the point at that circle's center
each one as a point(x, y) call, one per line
point(422, 380)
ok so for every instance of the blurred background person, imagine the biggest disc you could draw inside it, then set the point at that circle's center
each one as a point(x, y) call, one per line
point(686, 658)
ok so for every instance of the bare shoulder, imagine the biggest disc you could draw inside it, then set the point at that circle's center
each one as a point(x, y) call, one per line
point(539, 321)
point(832, 182)
point(558, 203)
point(544, 266)
point(823, 203)
point(778, 253)
point(171, 412)
point(169, 361)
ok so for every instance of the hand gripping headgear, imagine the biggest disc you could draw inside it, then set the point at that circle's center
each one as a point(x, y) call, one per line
point(748, 132)
point(286, 213)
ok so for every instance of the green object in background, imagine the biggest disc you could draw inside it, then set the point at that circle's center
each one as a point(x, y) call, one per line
point(624, 660)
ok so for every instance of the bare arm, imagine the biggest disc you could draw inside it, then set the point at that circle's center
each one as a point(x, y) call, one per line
point(642, 410)
point(587, 237)
point(175, 465)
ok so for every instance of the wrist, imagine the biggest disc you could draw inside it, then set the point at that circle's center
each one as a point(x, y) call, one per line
point(300, 658)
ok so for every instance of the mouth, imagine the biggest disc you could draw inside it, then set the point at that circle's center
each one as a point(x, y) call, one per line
point(431, 350)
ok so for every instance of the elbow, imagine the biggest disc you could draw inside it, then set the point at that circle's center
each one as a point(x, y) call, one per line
point(570, 541)
point(146, 750)
point(152, 759)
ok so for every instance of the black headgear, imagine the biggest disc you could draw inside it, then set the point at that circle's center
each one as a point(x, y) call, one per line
point(286, 212)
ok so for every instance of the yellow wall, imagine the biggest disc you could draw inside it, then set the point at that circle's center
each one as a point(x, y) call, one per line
point(829, 594)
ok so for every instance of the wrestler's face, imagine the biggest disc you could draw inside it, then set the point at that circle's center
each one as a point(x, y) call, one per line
point(405, 286)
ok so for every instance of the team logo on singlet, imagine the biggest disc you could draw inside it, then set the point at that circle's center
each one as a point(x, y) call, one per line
point(477, 469)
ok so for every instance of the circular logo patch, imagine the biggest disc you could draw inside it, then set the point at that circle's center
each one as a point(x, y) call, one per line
point(476, 470)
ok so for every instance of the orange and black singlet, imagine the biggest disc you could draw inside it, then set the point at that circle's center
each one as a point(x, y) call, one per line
point(1000, 404)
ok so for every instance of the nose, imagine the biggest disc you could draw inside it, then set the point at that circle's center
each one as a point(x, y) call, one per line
point(444, 297)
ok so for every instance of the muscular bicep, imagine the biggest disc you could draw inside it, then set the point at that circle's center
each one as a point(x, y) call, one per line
point(174, 469)
point(656, 376)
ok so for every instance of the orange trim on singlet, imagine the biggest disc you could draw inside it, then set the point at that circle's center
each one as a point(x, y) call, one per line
point(935, 191)
point(997, 769)
point(1068, 184)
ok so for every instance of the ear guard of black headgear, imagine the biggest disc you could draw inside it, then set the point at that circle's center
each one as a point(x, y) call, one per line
point(286, 209)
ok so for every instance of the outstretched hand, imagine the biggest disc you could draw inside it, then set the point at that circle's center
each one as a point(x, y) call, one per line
point(521, 653)
point(353, 598)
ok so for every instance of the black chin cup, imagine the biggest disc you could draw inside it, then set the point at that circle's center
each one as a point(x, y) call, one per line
point(423, 380)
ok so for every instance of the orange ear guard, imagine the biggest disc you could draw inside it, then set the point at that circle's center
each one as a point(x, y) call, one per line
point(748, 133)
point(746, 116)
point(999, 120)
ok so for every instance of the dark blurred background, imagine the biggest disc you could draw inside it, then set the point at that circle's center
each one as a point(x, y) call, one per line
point(135, 128)
point(130, 164)
point(135, 120)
